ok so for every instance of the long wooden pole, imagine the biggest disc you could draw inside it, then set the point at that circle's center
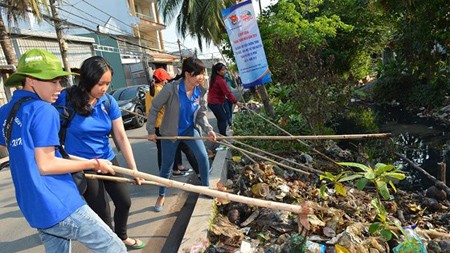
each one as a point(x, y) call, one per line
point(265, 158)
point(289, 137)
point(118, 179)
point(298, 140)
point(206, 191)
point(256, 137)
point(281, 158)
point(436, 182)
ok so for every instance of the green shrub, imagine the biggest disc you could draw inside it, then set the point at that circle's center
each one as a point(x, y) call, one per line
point(364, 120)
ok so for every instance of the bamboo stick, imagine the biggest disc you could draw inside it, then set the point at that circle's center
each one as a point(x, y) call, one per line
point(281, 158)
point(265, 158)
point(123, 180)
point(256, 137)
point(244, 154)
point(118, 179)
point(442, 167)
point(436, 182)
point(206, 191)
point(298, 140)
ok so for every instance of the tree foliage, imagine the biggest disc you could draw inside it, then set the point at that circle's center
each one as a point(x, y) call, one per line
point(320, 48)
point(16, 10)
point(420, 72)
point(195, 18)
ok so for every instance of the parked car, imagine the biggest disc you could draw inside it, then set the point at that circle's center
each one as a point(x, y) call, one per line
point(131, 98)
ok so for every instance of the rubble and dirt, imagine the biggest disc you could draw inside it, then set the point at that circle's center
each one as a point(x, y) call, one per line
point(339, 223)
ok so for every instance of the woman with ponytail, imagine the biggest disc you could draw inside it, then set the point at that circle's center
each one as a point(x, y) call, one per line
point(184, 114)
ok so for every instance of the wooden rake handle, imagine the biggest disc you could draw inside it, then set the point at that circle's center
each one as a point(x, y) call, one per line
point(207, 191)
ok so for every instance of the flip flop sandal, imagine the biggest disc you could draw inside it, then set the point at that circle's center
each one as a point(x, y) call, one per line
point(136, 244)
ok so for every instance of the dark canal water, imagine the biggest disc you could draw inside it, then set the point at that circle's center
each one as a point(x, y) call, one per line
point(423, 140)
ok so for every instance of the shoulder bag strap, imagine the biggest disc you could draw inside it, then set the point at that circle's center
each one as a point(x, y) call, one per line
point(10, 119)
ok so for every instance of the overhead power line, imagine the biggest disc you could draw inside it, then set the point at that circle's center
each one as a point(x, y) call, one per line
point(89, 29)
point(94, 17)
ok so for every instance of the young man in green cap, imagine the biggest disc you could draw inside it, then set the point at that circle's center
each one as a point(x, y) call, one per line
point(45, 190)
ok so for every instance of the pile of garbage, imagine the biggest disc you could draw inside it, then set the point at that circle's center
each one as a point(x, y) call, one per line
point(338, 223)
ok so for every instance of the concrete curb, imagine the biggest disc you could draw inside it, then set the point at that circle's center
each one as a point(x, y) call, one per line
point(197, 229)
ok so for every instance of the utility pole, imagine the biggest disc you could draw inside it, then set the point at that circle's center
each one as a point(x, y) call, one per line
point(59, 35)
point(146, 68)
point(179, 48)
point(260, 8)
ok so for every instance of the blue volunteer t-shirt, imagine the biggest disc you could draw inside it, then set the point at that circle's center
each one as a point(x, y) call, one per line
point(87, 137)
point(188, 107)
point(44, 200)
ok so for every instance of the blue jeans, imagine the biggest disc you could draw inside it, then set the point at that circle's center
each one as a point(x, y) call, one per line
point(85, 226)
point(168, 154)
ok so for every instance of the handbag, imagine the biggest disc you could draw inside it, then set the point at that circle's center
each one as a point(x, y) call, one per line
point(80, 181)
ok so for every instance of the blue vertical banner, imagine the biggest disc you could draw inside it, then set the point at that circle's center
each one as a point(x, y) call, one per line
point(242, 28)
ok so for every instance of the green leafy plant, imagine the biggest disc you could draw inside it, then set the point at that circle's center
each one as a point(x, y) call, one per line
point(337, 181)
point(287, 117)
point(383, 225)
point(381, 176)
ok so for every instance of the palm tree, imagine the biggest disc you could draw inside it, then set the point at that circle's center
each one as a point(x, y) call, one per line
point(16, 10)
point(59, 35)
point(203, 20)
point(197, 18)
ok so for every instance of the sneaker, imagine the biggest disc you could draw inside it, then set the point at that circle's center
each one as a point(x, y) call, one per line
point(184, 169)
point(178, 173)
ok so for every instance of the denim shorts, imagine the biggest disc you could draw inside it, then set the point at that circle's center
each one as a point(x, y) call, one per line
point(85, 226)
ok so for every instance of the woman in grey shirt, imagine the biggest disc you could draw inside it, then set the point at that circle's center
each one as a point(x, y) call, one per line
point(185, 113)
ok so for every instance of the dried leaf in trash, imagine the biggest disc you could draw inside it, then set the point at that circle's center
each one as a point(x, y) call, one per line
point(260, 190)
point(329, 232)
point(341, 249)
point(313, 220)
point(226, 232)
point(236, 159)
point(413, 207)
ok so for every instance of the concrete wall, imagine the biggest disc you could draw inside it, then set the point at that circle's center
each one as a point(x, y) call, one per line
point(109, 49)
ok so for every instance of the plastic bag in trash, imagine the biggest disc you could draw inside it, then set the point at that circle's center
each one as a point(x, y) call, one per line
point(313, 247)
point(412, 243)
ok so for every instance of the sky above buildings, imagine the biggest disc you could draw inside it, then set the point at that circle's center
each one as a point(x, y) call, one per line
point(209, 51)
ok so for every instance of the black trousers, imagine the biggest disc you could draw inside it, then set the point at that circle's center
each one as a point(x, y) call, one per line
point(221, 116)
point(178, 159)
point(96, 197)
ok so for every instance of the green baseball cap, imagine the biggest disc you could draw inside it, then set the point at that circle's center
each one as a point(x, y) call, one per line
point(37, 63)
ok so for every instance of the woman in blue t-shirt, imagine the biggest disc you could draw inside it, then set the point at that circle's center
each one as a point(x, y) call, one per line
point(184, 113)
point(97, 114)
